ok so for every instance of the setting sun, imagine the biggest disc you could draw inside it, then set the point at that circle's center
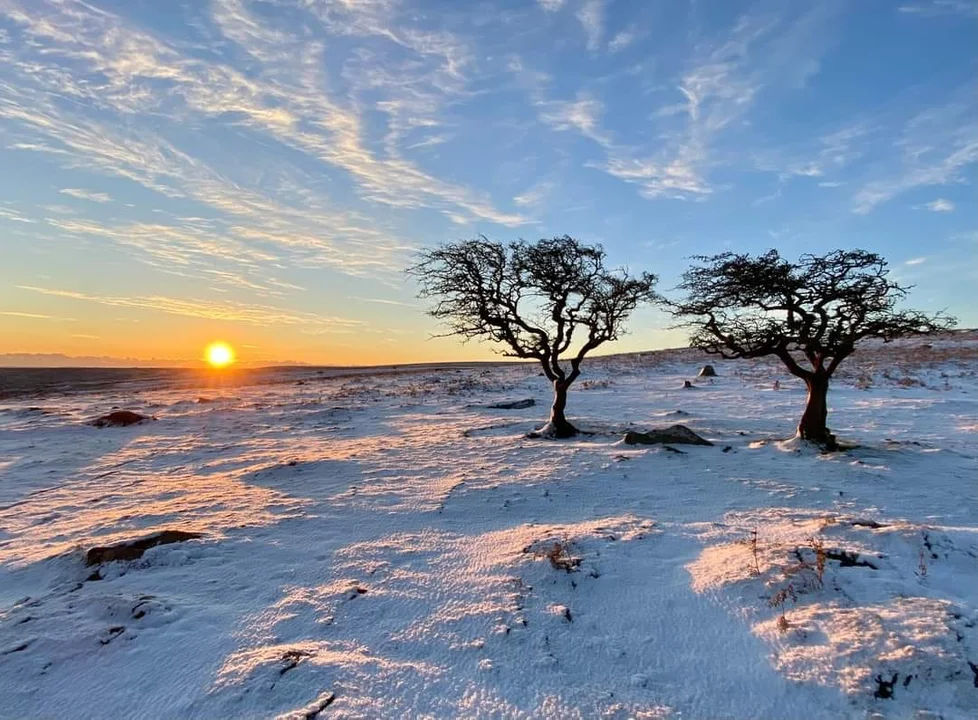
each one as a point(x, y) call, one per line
point(219, 354)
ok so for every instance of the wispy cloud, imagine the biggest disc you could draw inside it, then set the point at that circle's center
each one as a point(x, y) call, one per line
point(591, 17)
point(716, 91)
point(27, 315)
point(381, 301)
point(71, 59)
point(250, 314)
point(916, 261)
point(535, 196)
point(14, 216)
point(940, 205)
point(622, 40)
point(551, 5)
point(99, 197)
point(941, 7)
point(582, 115)
point(936, 147)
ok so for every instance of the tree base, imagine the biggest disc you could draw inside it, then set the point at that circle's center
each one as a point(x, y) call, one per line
point(554, 431)
point(826, 440)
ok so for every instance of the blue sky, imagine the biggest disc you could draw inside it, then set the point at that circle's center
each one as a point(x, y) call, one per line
point(263, 170)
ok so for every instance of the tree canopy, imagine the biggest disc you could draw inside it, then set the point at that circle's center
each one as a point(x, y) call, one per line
point(742, 307)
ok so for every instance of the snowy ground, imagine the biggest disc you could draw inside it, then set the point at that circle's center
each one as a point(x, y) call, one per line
point(384, 547)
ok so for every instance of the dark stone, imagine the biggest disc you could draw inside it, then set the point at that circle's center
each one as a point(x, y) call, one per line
point(687, 385)
point(848, 558)
point(884, 688)
point(674, 434)
point(514, 405)
point(119, 418)
point(868, 523)
point(134, 549)
point(707, 371)
point(112, 634)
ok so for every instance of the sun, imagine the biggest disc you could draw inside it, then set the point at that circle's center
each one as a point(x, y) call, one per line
point(219, 354)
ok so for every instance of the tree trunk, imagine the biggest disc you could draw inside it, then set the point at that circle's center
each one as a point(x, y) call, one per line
point(813, 422)
point(558, 422)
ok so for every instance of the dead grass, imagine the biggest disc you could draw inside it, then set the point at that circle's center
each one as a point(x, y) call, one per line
point(560, 557)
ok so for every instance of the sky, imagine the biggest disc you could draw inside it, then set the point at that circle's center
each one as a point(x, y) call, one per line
point(262, 171)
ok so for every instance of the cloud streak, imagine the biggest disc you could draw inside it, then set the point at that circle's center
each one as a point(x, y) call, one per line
point(78, 193)
point(249, 314)
point(591, 17)
point(936, 147)
point(940, 205)
point(79, 71)
point(710, 99)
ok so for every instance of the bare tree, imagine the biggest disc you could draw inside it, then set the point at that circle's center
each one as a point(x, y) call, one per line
point(813, 311)
point(539, 300)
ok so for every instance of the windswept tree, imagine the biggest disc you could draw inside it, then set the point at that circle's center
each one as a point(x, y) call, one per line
point(810, 314)
point(541, 301)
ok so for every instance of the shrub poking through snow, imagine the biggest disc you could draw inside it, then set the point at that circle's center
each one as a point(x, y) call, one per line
point(755, 566)
point(779, 599)
point(561, 559)
point(818, 545)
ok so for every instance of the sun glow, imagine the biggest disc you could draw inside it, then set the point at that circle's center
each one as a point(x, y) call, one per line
point(219, 354)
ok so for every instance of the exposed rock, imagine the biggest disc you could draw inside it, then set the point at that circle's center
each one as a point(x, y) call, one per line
point(16, 648)
point(112, 633)
point(868, 523)
point(674, 434)
point(134, 549)
point(119, 418)
point(707, 371)
point(514, 405)
point(848, 558)
point(884, 688)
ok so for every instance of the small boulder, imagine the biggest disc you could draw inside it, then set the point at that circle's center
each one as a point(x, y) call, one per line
point(134, 549)
point(673, 435)
point(707, 371)
point(514, 405)
point(119, 418)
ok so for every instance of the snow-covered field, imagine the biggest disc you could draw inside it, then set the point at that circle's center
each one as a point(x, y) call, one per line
point(386, 547)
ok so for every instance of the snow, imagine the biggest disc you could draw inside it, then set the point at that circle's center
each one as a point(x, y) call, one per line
point(386, 545)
